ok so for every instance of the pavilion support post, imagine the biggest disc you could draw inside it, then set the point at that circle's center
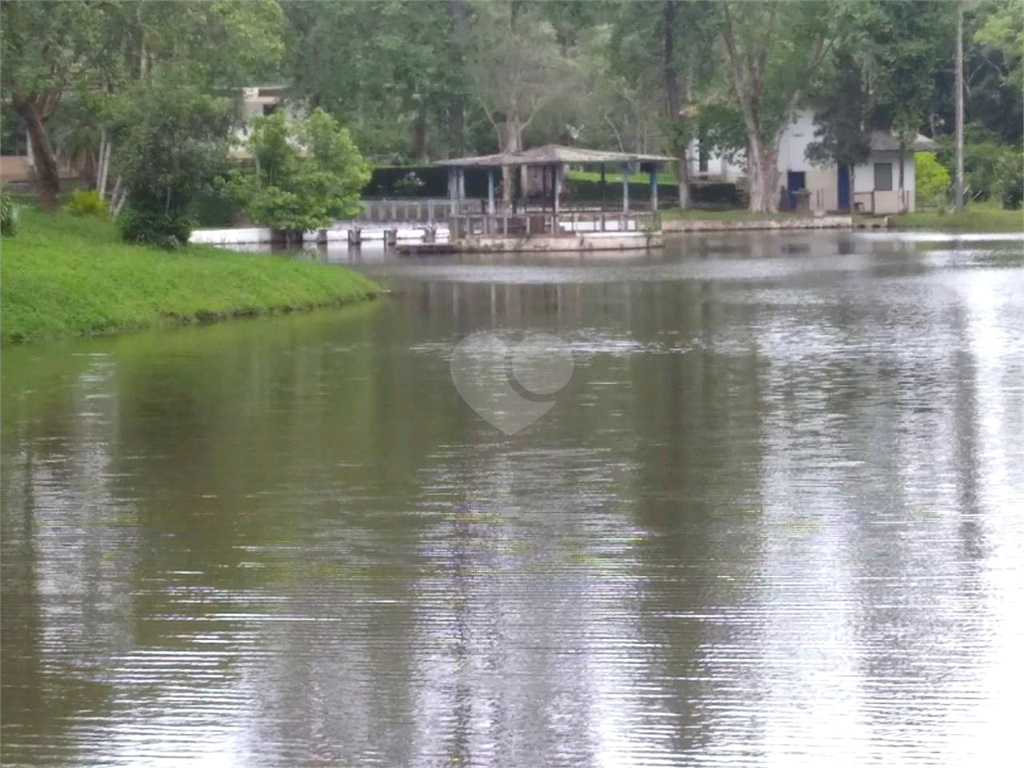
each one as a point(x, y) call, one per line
point(490, 191)
point(602, 189)
point(523, 173)
point(462, 184)
point(625, 188)
point(556, 188)
point(654, 189)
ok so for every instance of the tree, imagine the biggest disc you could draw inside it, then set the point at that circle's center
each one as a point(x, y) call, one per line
point(665, 51)
point(770, 53)
point(900, 45)
point(516, 68)
point(103, 55)
point(306, 173)
point(396, 76)
point(1001, 31)
point(174, 146)
point(842, 132)
point(46, 50)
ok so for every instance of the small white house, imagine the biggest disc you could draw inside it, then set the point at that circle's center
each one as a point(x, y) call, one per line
point(876, 182)
point(257, 101)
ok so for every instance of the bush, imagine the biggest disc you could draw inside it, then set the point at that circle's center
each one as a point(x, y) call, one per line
point(931, 179)
point(86, 202)
point(1011, 180)
point(291, 190)
point(8, 215)
point(155, 225)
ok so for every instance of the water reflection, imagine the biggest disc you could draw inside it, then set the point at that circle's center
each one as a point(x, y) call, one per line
point(772, 520)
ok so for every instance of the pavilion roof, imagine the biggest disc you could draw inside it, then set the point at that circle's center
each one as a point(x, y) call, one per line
point(554, 154)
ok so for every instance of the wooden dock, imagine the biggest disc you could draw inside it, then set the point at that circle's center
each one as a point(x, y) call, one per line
point(425, 249)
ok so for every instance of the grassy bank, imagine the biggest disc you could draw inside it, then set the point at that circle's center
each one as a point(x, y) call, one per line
point(612, 177)
point(975, 218)
point(727, 214)
point(63, 275)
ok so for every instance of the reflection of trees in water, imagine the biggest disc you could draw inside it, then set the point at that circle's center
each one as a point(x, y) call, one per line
point(695, 491)
point(68, 546)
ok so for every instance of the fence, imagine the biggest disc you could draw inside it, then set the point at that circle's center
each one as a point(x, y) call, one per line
point(530, 224)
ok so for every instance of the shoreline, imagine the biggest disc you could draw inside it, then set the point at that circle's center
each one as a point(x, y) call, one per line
point(67, 276)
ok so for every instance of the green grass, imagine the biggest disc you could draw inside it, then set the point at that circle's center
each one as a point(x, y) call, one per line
point(728, 214)
point(666, 177)
point(63, 276)
point(977, 217)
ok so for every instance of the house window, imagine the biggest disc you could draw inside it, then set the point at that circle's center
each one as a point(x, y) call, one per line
point(883, 177)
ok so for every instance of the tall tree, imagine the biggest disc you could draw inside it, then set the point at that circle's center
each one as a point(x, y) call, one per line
point(395, 77)
point(770, 52)
point(900, 45)
point(842, 118)
point(516, 68)
point(665, 50)
point(46, 49)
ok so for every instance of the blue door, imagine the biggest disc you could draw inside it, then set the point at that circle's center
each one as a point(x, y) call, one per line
point(844, 187)
point(795, 182)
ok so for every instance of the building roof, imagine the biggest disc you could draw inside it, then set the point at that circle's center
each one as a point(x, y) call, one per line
point(881, 141)
point(555, 154)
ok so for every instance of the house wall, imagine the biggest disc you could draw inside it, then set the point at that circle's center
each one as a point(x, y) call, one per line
point(823, 182)
point(15, 168)
point(885, 202)
point(794, 144)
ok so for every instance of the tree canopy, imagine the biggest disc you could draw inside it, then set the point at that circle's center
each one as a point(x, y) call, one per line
point(424, 81)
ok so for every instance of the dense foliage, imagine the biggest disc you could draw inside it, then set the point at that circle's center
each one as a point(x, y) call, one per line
point(931, 180)
point(306, 172)
point(414, 82)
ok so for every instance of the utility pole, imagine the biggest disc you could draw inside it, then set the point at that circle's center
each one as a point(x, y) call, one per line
point(958, 182)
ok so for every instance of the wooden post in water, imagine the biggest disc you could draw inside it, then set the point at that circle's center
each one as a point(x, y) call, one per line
point(355, 236)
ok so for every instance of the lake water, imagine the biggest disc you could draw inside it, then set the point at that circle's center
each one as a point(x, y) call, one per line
point(774, 518)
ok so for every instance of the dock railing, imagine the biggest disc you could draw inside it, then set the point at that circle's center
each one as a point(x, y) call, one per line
point(565, 224)
point(420, 211)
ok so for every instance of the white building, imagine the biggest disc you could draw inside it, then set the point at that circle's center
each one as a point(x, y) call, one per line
point(258, 101)
point(876, 182)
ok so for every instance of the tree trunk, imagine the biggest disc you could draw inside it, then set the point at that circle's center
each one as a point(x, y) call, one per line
point(850, 184)
point(672, 106)
point(668, 60)
point(104, 169)
point(510, 139)
point(456, 108)
point(419, 136)
point(47, 169)
point(762, 165)
point(958, 177)
point(683, 175)
point(903, 152)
